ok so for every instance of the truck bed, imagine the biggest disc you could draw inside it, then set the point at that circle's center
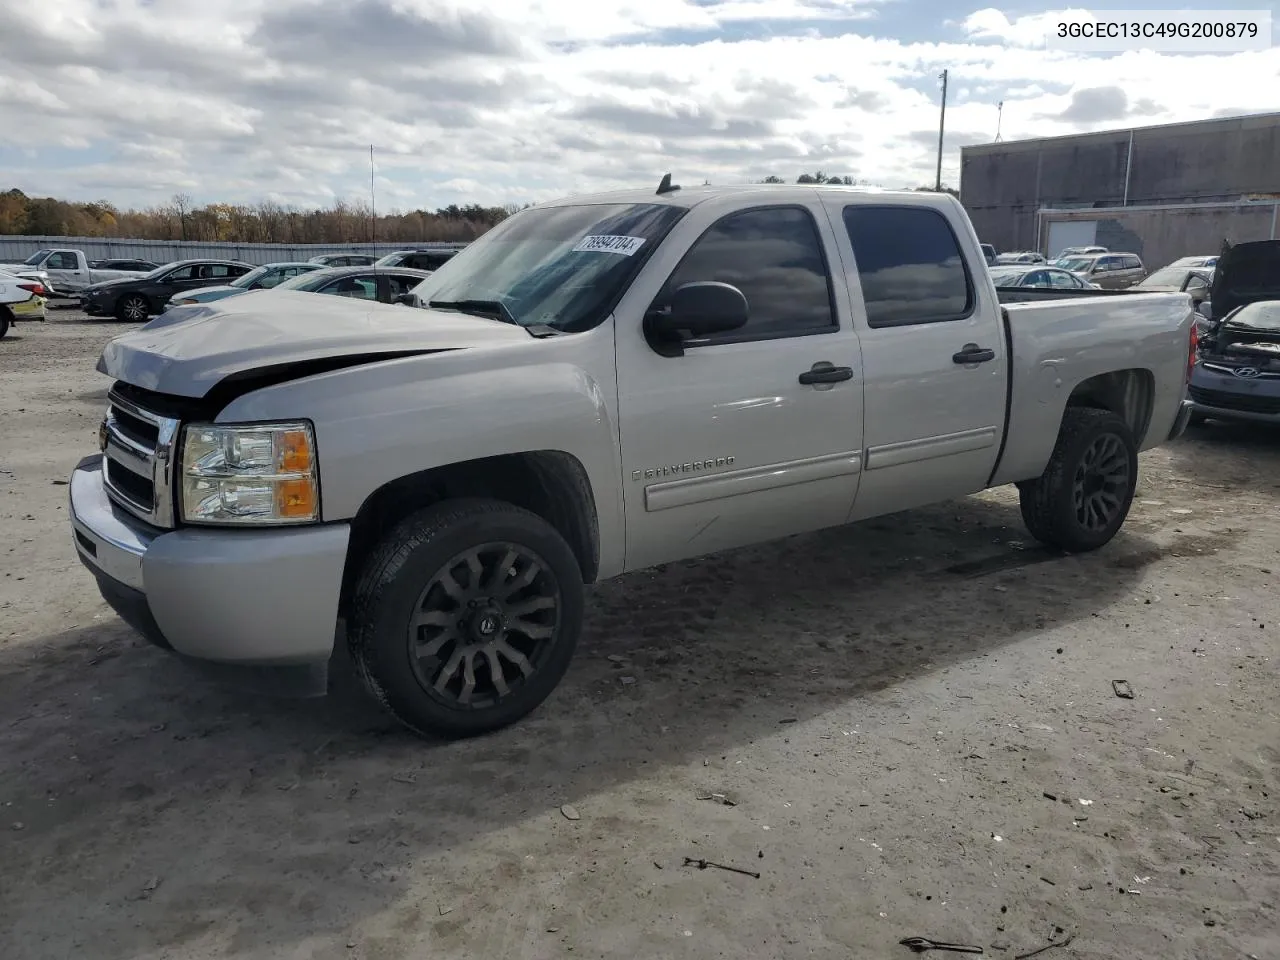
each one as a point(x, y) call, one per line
point(1058, 340)
point(1030, 294)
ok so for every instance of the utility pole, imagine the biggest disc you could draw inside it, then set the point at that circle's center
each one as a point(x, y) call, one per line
point(942, 124)
point(999, 118)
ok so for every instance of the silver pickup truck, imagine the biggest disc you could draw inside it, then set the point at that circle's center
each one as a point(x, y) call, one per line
point(595, 386)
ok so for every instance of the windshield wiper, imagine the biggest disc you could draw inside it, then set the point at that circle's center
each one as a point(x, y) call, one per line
point(491, 309)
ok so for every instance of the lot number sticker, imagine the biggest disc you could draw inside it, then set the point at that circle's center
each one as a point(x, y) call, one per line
point(609, 244)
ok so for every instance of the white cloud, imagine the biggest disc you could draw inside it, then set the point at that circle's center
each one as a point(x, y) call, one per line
point(497, 101)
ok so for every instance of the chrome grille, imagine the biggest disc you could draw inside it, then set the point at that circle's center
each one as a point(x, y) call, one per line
point(138, 449)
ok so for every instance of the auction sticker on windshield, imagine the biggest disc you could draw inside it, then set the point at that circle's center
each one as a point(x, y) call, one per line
point(609, 244)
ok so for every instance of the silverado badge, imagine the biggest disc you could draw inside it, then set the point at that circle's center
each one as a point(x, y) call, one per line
point(676, 469)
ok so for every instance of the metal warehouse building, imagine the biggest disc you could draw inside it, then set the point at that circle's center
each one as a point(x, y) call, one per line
point(1162, 192)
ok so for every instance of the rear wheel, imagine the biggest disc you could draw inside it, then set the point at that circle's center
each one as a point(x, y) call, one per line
point(1083, 497)
point(133, 309)
point(4, 321)
point(465, 617)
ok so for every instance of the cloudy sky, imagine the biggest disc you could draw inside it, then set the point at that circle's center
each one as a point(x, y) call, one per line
point(497, 101)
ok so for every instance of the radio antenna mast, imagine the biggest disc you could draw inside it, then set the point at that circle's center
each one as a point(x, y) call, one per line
point(373, 202)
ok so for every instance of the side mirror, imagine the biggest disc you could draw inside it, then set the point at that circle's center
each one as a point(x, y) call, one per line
point(1205, 309)
point(695, 310)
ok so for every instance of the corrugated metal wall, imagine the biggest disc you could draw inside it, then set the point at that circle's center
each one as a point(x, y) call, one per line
point(163, 251)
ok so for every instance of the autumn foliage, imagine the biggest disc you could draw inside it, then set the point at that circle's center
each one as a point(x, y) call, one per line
point(267, 222)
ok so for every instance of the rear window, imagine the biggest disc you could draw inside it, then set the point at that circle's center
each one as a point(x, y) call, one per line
point(909, 264)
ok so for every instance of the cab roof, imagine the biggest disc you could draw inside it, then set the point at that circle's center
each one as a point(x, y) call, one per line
point(692, 196)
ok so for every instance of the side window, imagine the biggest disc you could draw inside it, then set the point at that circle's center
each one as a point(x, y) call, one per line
point(1101, 265)
point(61, 261)
point(358, 288)
point(774, 256)
point(1064, 281)
point(910, 265)
point(1037, 278)
point(1132, 263)
point(182, 273)
point(400, 284)
point(217, 271)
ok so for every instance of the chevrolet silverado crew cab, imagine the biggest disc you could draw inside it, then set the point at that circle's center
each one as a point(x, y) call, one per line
point(595, 386)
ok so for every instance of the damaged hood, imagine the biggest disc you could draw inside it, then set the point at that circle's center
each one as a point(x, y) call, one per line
point(1246, 273)
point(191, 349)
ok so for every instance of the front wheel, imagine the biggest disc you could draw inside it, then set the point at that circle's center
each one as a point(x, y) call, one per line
point(133, 309)
point(1083, 497)
point(465, 617)
point(4, 322)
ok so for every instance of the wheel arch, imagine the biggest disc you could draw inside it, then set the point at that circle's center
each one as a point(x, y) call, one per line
point(1129, 394)
point(552, 484)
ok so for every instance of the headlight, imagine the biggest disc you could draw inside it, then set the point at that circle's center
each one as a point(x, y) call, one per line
point(259, 474)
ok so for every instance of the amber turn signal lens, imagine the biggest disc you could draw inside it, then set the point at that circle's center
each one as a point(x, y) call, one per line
point(295, 499)
point(295, 452)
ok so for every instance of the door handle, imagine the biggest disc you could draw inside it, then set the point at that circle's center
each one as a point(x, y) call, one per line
point(824, 372)
point(972, 353)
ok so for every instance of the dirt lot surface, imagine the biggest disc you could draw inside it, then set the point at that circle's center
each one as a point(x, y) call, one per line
point(913, 719)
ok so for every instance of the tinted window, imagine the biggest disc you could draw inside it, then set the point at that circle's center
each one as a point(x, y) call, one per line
point(182, 273)
point(910, 265)
point(361, 288)
point(1036, 278)
point(774, 256)
point(400, 284)
point(217, 271)
point(1132, 263)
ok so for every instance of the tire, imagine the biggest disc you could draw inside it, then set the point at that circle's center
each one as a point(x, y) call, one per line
point(4, 322)
point(1072, 506)
point(469, 625)
point(133, 308)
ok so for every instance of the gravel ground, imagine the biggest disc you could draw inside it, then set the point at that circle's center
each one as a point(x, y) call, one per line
point(913, 720)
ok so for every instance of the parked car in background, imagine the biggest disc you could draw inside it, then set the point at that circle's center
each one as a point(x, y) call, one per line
point(133, 299)
point(69, 271)
point(1110, 271)
point(602, 384)
point(21, 298)
point(127, 266)
point(1081, 251)
point(1041, 277)
point(344, 259)
point(1024, 256)
point(1195, 262)
point(1237, 376)
point(418, 259)
point(260, 278)
point(1193, 281)
point(988, 253)
point(385, 285)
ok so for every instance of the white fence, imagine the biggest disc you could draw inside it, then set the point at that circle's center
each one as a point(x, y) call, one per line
point(17, 249)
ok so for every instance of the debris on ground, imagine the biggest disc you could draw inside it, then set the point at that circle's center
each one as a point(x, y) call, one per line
point(702, 864)
point(570, 813)
point(921, 944)
point(1047, 946)
point(718, 798)
point(1122, 689)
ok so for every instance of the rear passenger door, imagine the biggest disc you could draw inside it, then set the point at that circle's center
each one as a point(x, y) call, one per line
point(740, 439)
point(933, 355)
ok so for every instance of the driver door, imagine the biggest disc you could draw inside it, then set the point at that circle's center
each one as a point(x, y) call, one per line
point(728, 444)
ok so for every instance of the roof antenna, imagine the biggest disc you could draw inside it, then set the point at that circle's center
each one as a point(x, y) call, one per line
point(666, 186)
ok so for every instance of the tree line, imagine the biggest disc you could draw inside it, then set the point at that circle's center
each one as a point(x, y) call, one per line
point(344, 222)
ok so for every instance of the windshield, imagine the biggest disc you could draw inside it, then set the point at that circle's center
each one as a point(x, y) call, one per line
point(562, 267)
point(35, 258)
point(1074, 263)
point(1168, 277)
point(1259, 316)
point(250, 278)
point(302, 280)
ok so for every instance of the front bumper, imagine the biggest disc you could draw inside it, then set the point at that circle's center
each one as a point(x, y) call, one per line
point(1228, 397)
point(256, 606)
